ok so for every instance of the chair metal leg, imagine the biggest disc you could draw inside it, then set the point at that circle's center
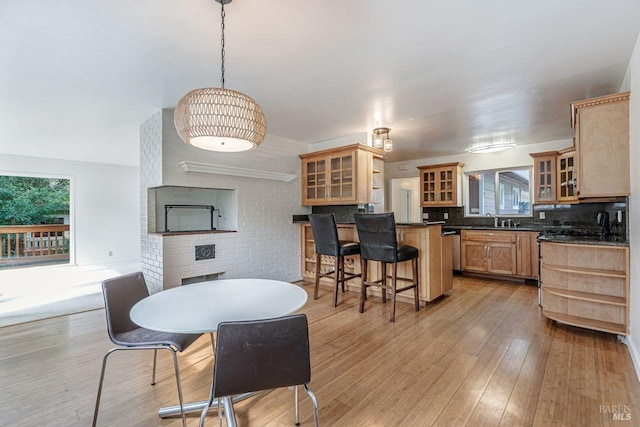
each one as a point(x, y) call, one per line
point(155, 357)
point(315, 291)
point(205, 409)
point(295, 393)
point(315, 403)
point(104, 366)
point(175, 366)
point(394, 277)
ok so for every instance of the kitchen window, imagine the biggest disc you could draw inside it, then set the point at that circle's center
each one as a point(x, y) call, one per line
point(503, 192)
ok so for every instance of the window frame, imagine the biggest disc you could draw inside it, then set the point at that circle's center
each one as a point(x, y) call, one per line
point(497, 185)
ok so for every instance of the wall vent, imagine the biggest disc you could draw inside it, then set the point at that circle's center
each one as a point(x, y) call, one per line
point(203, 278)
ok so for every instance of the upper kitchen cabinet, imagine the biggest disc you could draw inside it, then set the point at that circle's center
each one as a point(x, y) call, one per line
point(342, 176)
point(556, 174)
point(544, 169)
point(441, 185)
point(602, 145)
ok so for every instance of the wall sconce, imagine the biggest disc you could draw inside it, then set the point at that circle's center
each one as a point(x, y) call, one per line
point(381, 139)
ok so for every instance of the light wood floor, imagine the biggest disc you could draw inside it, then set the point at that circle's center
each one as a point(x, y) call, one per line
point(483, 355)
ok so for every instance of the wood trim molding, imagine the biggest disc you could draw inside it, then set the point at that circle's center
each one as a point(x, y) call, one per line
point(607, 99)
point(376, 152)
point(188, 166)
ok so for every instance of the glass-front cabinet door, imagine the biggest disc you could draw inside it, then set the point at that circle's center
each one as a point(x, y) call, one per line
point(429, 189)
point(315, 183)
point(544, 167)
point(447, 185)
point(342, 173)
point(567, 177)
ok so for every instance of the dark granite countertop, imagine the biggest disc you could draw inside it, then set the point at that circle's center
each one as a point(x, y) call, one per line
point(585, 240)
point(552, 233)
point(419, 224)
point(482, 227)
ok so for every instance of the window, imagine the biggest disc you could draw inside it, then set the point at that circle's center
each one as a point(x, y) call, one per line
point(34, 221)
point(499, 192)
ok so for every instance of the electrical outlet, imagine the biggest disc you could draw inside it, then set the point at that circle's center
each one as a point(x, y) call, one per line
point(110, 253)
point(446, 215)
point(425, 216)
point(543, 215)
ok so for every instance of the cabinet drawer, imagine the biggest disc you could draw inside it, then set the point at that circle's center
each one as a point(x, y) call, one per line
point(489, 236)
point(583, 309)
point(573, 281)
point(586, 258)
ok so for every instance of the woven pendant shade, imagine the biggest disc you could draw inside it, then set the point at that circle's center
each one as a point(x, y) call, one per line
point(219, 119)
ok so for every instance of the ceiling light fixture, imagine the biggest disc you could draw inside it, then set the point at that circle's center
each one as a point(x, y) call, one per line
point(219, 119)
point(381, 139)
point(491, 147)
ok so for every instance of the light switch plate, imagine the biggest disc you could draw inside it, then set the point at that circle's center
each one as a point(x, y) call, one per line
point(446, 215)
point(542, 215)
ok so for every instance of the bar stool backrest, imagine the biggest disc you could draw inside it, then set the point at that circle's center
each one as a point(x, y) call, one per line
point(377, 234)
point(325, 234)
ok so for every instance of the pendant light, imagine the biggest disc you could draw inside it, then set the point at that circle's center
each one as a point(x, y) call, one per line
point(381, 139)
point(219, 119)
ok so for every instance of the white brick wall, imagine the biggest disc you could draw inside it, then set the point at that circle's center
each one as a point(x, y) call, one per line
point(266, 244)
point(150, 176)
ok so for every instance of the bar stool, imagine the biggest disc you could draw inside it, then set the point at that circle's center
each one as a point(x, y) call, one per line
point(378, 242)
point(325, 236)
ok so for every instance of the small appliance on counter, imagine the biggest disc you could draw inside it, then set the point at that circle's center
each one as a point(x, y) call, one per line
point(603, 222)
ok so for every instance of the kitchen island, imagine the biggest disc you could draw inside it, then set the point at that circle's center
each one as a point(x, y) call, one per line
point(434, 268)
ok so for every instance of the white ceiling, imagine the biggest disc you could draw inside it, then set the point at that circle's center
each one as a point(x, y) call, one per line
point(77, 77)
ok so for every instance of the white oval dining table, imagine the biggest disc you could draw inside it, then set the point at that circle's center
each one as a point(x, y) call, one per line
point(201, 307)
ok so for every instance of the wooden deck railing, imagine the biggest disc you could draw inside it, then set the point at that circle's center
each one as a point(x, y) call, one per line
point(28, 243)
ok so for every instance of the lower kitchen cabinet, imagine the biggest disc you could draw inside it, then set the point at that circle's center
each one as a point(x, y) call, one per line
point(586, 285)
point(500, 252)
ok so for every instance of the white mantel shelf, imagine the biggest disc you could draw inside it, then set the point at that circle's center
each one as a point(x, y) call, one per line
point(234, 171)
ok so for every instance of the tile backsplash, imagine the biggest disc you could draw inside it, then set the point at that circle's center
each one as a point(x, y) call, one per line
point(579, 216)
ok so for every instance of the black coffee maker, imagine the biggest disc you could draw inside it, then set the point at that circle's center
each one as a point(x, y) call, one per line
point(603, 221)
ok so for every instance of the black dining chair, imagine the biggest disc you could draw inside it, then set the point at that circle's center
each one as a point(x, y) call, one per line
point(259, 355)
point(379, 242)
point(325, 236)
point(120, 295)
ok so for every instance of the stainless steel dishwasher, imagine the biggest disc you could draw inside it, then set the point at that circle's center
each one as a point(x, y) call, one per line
point(457, 266)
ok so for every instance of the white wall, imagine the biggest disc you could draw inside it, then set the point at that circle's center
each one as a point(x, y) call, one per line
point(632, 82)
point(412, 185)
point(105, 205)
